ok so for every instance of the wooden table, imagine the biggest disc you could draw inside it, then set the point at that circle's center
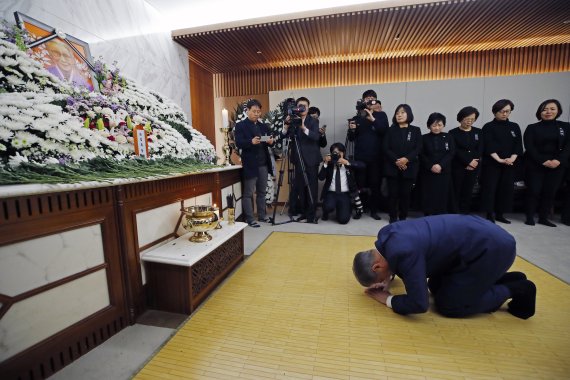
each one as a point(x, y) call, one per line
point(181, 274)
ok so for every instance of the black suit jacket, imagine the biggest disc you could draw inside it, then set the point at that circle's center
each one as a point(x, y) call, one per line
point(245, 131)
point(309, 144)
point(399, 143)
point(326, 174)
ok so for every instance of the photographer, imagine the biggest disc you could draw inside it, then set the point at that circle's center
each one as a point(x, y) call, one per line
point(315, 113)
point(339, 184)
point(255, 161)
point(305, 131)
point(366, 130)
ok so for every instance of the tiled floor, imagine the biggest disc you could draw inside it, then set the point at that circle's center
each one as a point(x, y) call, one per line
point(543, 246)
point(293, 311)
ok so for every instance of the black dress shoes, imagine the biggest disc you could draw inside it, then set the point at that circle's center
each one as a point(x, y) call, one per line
point(325, 216)
point(523, 303)
point(502, 219)
point(529, 221)
point(357, 215)
point(511, 277)
point(374, 215)
point(490, 217)
point(546, 222)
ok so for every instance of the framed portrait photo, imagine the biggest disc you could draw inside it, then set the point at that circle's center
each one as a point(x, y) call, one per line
point(66, 57)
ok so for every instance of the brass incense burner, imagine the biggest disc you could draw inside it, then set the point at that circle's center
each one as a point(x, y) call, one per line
point(200, 220)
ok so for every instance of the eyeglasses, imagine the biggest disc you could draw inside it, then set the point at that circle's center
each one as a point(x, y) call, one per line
point(504, 111)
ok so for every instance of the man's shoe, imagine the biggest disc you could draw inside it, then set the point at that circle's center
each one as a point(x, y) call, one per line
point(375, 216)
point(490, 217)
point(529, 221)
point(511, 277)
point(565, 222)
point(325, 216)
point(357, 215)
point(523, 303)
point(502, 219)
point(546, 222)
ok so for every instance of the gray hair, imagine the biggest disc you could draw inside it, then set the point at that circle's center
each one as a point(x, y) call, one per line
point(362, 267)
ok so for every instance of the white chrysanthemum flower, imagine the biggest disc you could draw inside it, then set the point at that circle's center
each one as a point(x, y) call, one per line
point(120, 139)
point(97, 109)
point(32, 112)
point(5, 134)
point(32, 86)
point(3, 147)
point(138, 119)
point(51, 160)
point(17, 160)
point(41, 125)
point(91, 114)
point(26, 138)
point(107, 111)
point(56, 134)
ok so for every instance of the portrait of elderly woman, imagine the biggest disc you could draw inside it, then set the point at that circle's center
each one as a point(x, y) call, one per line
point(64, 64)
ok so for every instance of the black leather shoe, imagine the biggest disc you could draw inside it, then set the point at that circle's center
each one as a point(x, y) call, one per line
point(523, 295)
point(502, 219)
point(357, 215)
point(490, 217)
point(529, 222)
point(546, 222)
point(511, 277)
point(375, 216)
point(325, 216)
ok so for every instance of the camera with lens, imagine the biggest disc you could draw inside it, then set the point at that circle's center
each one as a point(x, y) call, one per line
point(335, 157)
point(361, 105)
point(290, 108)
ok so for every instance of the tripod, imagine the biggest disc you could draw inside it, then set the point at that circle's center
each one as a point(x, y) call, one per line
point(291, 138)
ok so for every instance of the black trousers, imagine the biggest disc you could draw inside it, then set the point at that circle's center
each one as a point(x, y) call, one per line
point(368, 180)
point(299, 198)
point(463, 183)
point(542, 184)
point(497, 187)
point(340, 203)
point(436, 193)
point(399, 190)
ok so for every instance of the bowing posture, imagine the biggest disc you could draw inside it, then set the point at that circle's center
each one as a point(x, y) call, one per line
point(340, 185)
point(402, 146)
point(502, 146)
point(464, 257)
point(438, 149)
point(466, 162)
point(547, 146)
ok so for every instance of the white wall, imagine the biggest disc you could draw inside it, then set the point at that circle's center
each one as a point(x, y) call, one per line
point(128, 31)
point(337, 104)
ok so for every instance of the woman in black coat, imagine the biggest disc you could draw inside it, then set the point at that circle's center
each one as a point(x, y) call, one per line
point(402, 146)
point(466, 162)
point(438, 149)
point(502, 146)
point(547, 146)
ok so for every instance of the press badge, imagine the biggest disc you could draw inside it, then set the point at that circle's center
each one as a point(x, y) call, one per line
point(409, 136)
point(513, 133)
point(446, 145)
point(561, 132)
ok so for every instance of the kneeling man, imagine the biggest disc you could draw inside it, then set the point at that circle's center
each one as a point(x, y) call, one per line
point(463, 257)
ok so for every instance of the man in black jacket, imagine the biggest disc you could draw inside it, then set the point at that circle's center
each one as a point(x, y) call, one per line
point(255, 161)
point(366, 130)
point(340, 184)
point(305, 131)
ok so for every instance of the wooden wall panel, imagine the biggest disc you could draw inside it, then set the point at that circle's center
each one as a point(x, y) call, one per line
point(527, 60)
point(202, 101)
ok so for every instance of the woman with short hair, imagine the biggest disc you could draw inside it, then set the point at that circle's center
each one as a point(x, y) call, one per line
point(502, 146)
point(547, 146)
point(467, 160)
point(402, 146)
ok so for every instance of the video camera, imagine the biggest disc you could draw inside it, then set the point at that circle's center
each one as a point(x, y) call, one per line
point(290, 108)
point(361, 105)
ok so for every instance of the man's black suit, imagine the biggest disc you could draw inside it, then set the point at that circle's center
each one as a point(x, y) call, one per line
point(311, 155)
point(340, 202)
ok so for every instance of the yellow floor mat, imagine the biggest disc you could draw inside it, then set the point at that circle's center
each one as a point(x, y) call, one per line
point(294, 311)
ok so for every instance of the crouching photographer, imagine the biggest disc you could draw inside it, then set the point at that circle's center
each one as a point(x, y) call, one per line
point(339, 190)
point(366, 131)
